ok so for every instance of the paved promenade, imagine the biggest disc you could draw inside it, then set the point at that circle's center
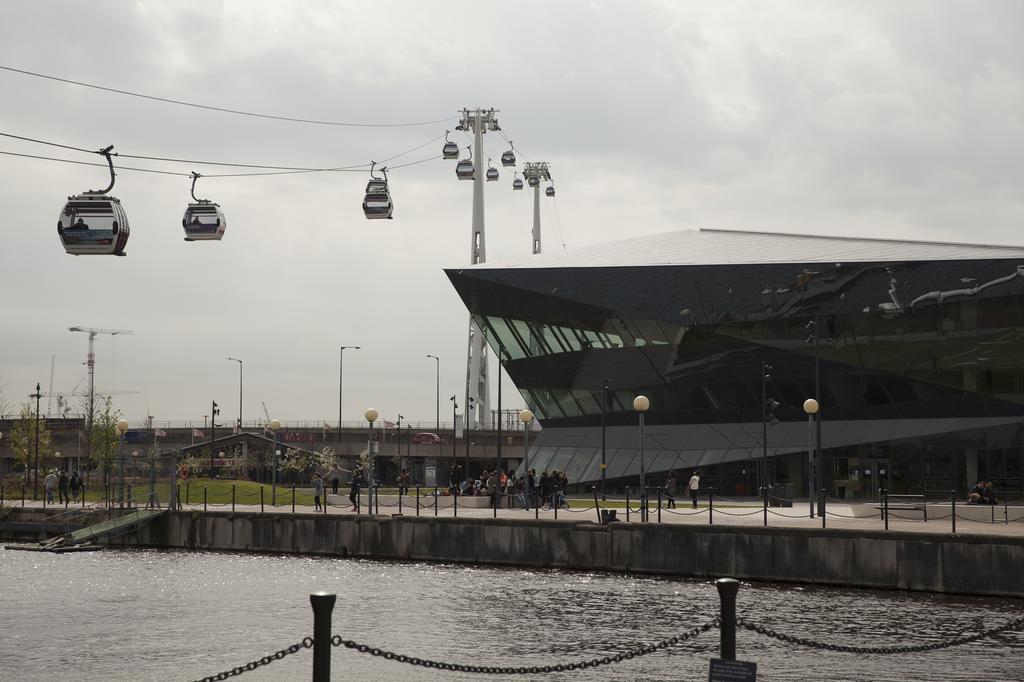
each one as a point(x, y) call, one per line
point(971, 520)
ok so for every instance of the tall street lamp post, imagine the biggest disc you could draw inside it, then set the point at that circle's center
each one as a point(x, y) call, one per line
point(815, 338)
point(371, 416)
point(604, 409)
point(437, 399)
point(501, 356)
point(455, 406)
point(239, 393)
point(641, 404)
point(811, 408)
point(526, 417)
point(35, 478)
point(341, 367)
point(122, 426)
point(275, 426)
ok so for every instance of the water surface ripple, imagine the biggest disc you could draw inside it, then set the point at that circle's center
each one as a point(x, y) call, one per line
point(170, 615)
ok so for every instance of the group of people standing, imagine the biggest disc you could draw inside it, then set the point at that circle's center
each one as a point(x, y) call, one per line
point(672, 485)
point(66, 488)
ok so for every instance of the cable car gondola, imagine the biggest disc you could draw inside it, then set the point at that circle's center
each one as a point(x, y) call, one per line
point(377, 203)
point(464, 168)
point(92, 223)
point(492, 172)
point(450, 149)
point(517, 182)
point(533, 181)
point(508, 158)
point(550, 191)
point(203, 219)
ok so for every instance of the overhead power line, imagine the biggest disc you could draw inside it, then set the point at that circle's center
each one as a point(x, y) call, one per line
point(278, 169)
point(224, 110)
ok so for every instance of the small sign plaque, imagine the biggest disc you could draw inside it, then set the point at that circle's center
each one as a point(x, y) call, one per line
point(732, 671)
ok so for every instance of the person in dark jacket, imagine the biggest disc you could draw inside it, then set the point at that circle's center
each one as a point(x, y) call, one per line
point(354, 486)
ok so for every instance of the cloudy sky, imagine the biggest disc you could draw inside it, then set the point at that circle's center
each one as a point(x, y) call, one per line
point(885, 119)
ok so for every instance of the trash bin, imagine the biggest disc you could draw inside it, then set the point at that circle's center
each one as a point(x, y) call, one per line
point(607, 516)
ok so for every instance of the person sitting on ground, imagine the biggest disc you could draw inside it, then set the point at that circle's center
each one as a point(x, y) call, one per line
point(974, 494)
point(988, 493)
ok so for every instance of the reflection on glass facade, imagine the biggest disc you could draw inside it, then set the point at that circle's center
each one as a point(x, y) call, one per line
point(920, 366)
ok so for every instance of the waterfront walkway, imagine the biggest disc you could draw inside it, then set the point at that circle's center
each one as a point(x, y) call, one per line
point(999, 520)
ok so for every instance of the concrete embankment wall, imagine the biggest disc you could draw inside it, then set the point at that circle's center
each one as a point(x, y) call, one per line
point(962, 564)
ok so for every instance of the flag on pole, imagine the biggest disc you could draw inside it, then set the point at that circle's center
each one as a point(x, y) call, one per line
point(328, 427)
point(196, 433)
point(389, 425)
point(160, 433)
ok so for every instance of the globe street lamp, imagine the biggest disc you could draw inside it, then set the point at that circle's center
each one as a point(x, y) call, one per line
point(275, 425)
point(811, 408)
point(122, 426)
point(371, 416)
point(526, 417)
point(437, 398)
point(641, 404)
point(35, 478)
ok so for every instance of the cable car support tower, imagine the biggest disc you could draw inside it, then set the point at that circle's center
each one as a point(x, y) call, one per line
point(535, 172)
point(479, 121)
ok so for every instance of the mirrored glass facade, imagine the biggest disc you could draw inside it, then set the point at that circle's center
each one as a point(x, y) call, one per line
point(917, 365)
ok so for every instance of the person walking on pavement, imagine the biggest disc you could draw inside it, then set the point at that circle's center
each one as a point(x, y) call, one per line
point(50, 484)
point(62, 487)
point(670, 490)
point(694, 486)
point(318, 491)
point(76, 486)
point(354, 485)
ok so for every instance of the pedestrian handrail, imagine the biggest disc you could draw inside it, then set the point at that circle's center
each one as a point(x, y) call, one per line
point(322, 642)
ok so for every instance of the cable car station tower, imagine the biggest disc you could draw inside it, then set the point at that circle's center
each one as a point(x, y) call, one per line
point(478, 408)
point(534, 172)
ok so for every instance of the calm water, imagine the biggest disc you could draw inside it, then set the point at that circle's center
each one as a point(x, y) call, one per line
point(160, 615)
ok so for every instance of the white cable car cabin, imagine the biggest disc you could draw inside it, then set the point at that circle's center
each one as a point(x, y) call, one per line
point(508, 158)
point(203, 220)
point(550, 191)
point(492, 174)
point(450, 149)
point(517, 183)
point(464, 168)
point(377, 203)
point(93, 223)
point(533, 181)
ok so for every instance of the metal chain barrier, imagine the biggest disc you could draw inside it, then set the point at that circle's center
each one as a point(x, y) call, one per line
point(802, 641)
point(306, 643)
point(525, 670)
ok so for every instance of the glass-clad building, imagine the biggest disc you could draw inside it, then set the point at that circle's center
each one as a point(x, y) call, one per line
point(912, 349)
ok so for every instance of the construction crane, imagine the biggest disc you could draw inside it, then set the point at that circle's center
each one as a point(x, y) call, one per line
point(91, 364)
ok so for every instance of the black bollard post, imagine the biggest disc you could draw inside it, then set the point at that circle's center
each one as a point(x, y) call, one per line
point(627, 504)
point(711, 508)
point(764, 497)
point(435, 500)
point(597, 506)
point(293, 498)
point(659, 505)
point(187, 490)
point(821, 507)
point(22, 494)
point(323, 605)
point(1, 494)
point(417, 499)
point(727, 589)
point(455, 505)
point(885, 507)
point(399, 498)
point(232, 497)
point(376, 499)
point(952, 508)
point(261, 499)
point(204, 498)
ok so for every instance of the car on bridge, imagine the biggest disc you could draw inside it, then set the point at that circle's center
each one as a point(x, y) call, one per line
point(426, 439)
